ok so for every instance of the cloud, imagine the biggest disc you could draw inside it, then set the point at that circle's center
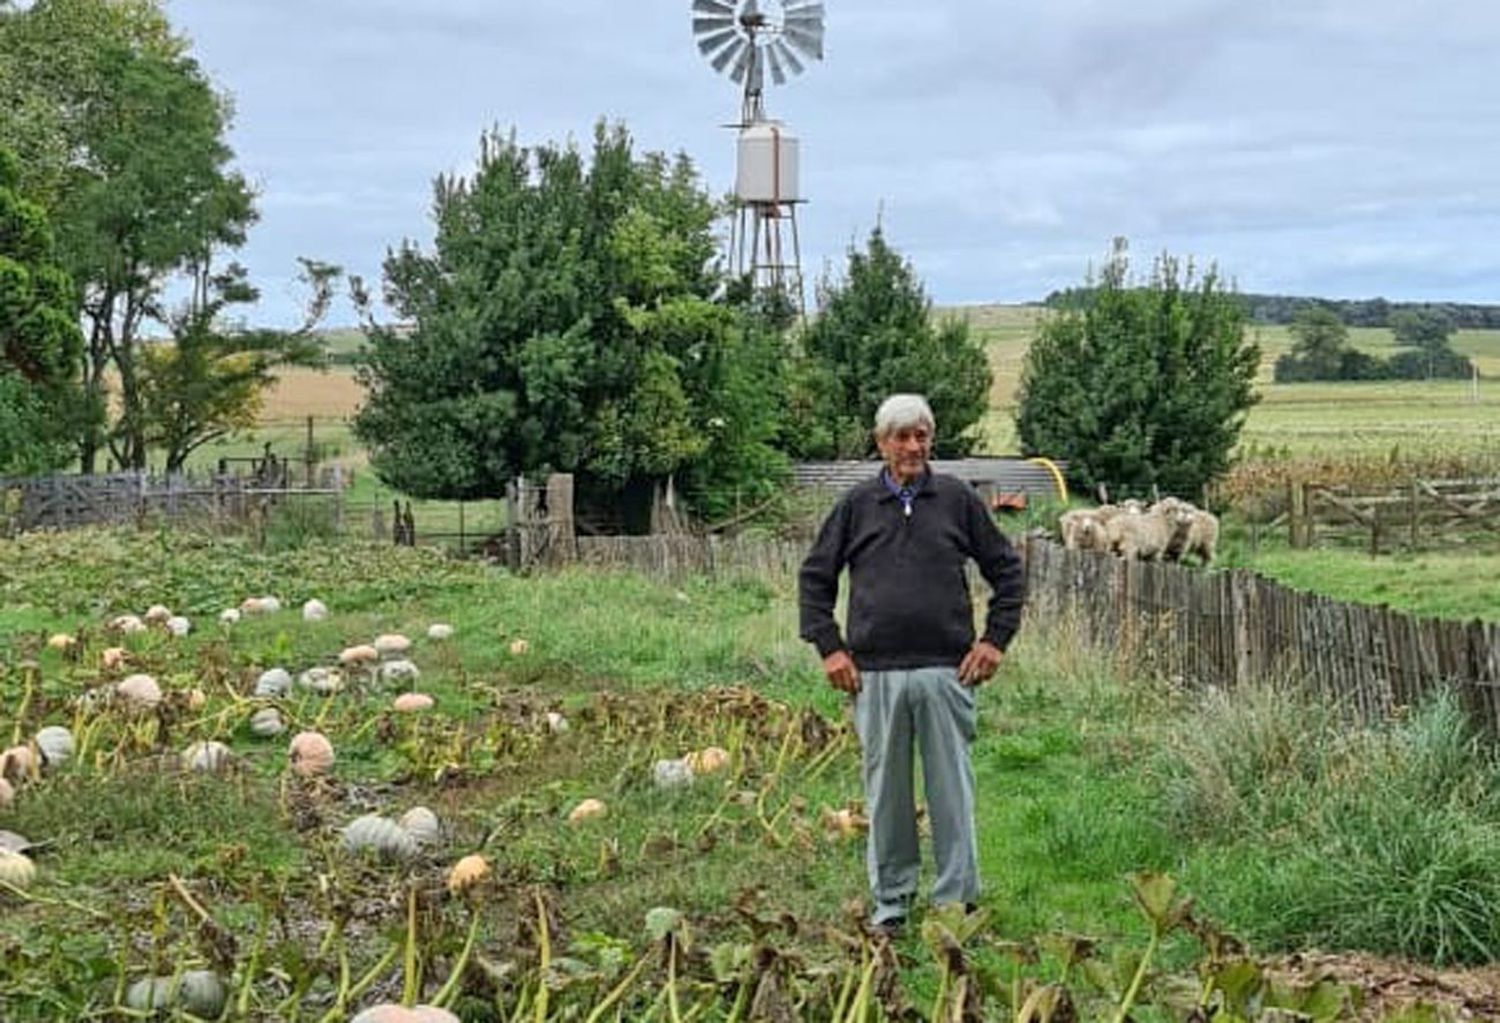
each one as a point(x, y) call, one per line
point(1317, 146)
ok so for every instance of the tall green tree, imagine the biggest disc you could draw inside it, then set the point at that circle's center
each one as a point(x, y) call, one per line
point(128, 138)
point(1321, 350)
point(1428, 329)
point(1144, 384)
point(210, 379)
point(874, 335)
point(40, 344)
point(564, 321)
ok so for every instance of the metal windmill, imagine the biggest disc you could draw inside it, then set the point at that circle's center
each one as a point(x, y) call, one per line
point(744, 39)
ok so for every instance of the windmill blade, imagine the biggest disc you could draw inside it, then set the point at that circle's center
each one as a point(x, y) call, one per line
point(702, 26)
point(778, 75)
point(713, 7)
point(734, 49)
point(813, 9)
point(708, 44)
point(807, 42)
point(742, 63)
point(785, 53)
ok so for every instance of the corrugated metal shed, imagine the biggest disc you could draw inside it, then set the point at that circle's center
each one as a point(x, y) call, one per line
point(992, 475)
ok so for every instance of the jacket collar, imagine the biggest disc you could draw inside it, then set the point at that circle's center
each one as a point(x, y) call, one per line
point(921, 487)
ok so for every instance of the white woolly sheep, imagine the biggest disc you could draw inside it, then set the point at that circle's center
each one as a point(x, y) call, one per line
point(1195, 531)
point(1082, 529)
point(1139, 534)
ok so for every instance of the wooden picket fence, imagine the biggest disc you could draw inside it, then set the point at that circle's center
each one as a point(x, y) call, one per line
point(1200, 628)
point(1230, 627)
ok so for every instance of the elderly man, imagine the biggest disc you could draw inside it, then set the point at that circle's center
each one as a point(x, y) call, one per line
point(911, 659)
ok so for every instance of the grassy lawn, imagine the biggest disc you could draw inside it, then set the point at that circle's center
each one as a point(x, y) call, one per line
point(1448, 584)
point(1077, 788)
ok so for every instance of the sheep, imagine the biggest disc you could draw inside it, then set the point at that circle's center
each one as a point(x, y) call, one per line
point(1146, 535)
point(1197, 531)
point(1082, 530)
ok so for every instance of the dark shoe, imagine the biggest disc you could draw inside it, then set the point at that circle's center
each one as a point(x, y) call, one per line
point(890, 929)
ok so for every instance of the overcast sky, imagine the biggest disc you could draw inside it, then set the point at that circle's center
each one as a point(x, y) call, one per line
point(1345, 148)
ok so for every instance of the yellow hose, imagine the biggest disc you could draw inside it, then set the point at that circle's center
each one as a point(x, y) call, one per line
point(1057, 476)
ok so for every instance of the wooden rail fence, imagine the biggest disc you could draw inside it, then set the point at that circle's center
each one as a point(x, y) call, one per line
point(1413, 514)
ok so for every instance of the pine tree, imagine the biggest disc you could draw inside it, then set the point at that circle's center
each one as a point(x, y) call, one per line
point(874, 336)
point(1141, 386)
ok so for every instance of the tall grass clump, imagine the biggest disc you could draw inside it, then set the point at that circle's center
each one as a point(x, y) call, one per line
point(1318, 830)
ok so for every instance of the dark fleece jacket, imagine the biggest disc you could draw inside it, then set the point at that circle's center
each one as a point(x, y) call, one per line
point(908, 595)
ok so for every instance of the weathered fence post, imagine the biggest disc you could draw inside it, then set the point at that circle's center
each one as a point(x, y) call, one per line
point(1297, 514)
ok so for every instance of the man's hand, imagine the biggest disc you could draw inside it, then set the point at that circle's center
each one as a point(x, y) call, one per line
point(841, 671)
point(982, 661)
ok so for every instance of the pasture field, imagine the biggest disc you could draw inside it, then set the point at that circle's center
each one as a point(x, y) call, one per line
point(1447, 584)
point(1412, 418)
point(676, 903)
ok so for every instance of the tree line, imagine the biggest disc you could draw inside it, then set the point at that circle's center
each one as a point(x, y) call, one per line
point(1283, 310)
point(1322, 350)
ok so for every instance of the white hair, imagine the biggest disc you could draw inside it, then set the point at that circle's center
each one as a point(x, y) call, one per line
point(901, 412)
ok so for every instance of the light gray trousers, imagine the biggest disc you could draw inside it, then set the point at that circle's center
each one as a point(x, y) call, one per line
point(928, 706)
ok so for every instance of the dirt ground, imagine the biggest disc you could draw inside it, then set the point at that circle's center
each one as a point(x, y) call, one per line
point(1390, 985)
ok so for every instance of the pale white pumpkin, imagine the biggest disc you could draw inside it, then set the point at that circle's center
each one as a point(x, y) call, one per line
point(16, 870)
point(519, 648)
point(556, 723)
point(671, 774)
point(266, 723)
point(323, 681)
point(127, 625)
point(157, 614)
point(314, 611)
point(422, 825)
point(354, 656)
point(412, 703)
point(380, 835)
point(273, 682)
point(208, 757)
point(179, 626)
point(62, 642)
point(113, 658)
point(391, 644)
point(229, 616)
point(398, 671)
point(55, 744)
point(199, 992)
point(139, 691)
point(439, 631)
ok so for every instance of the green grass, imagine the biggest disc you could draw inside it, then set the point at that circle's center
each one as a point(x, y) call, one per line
point(1448, 584)
point(1316, 831)
point(1074, 793)
point(122, 817)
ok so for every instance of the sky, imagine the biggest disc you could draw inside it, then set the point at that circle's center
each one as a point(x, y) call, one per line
point(1340, 148)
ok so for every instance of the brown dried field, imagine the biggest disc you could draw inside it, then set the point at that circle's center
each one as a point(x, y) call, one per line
point(300, 393)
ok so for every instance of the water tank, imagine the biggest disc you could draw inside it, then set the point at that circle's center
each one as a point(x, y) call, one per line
point(767, 164)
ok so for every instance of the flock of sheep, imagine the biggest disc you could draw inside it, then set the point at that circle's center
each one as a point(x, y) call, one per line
point(1169, 530)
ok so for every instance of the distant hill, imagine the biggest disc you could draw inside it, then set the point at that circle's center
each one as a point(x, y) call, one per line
point(1360, 312)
